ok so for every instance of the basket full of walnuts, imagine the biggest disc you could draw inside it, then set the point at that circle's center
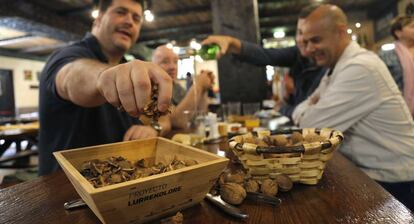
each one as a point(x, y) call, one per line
point(301, 154)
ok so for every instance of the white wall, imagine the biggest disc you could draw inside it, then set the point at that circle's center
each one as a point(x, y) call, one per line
point(24, 96)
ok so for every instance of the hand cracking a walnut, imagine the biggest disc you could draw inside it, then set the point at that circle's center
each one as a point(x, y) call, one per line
point(188, 103)
point(156, 122)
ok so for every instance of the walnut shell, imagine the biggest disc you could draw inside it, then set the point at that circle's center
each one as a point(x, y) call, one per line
point(235, 178)
point(261, 143)
point(177, 218)
point(269, 187)
point(222, 178)
point(232, 193)
point(296, 138)
point(284, 182)
point(251, 186)
point(190, 162)
point(249, 139)
point(280, 140)
point(268, 140)
point(313, 137)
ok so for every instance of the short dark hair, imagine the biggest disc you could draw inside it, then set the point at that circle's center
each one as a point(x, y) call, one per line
point(399, 23)
point(104, 4)
point(306, 11)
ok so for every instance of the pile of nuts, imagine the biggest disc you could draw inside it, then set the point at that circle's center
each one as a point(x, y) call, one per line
point(151, 109)
point(281, 140)
point(178, 218)
point(233, 187)
point(117, 169)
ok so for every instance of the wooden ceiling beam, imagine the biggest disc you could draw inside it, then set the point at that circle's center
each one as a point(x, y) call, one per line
point(278, 21)
point(174, 32)
point(268, 31)
point(182, 11)
point(31, 18)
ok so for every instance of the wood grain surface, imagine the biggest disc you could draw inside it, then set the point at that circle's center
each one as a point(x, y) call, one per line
point(344, 195)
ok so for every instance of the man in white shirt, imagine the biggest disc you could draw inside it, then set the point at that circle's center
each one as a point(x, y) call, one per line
point(359, 97)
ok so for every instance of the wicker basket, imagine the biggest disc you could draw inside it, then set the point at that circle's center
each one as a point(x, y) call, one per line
point(303, 163)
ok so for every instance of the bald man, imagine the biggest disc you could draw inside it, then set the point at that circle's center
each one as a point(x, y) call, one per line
point(359, 97)
point(186, 103)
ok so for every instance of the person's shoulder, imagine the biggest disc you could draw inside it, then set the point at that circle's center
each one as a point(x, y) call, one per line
point(365, 65)
point(363, 58)
point(77, 48)
point(65, 55)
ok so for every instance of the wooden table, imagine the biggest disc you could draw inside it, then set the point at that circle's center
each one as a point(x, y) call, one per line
point(344, 195)
point(16, 133)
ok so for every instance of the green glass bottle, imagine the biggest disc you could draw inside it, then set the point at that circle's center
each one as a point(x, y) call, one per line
point(209, 52)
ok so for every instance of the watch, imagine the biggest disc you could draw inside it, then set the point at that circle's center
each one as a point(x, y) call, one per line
point(157, 127)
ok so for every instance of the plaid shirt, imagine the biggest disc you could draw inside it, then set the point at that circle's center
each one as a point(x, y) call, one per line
point(394, 65)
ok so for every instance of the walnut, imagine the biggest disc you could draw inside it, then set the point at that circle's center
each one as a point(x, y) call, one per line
point(190, 162)
point(249, 139)
point(284, 182)
point(232, 193)
point(312, 137)
point(251, 186)
point(296, 138)
point(176, 219)
point(151, 109)
point(280, 140)
point(235, 178)
point(222, 178)
point(269, 187)
point(116, 178)
point(268, 140)
point(261, 143)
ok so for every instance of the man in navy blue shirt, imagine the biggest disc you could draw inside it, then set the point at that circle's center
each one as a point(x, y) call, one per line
point(305, 74)
point(90, 95)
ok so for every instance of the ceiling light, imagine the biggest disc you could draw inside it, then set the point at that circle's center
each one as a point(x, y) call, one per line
point(195, 45)
point(387, 47)
point(354, 37)
point(95, 13)
point(149, 17)
point(357, 25)
point(176, 50)
point(349, 31)
point(129, 57)
point(169, 45)
point(279, 34)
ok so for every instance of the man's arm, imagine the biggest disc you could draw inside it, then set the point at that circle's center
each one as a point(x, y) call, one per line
point(76, 82)
point(89, 83)
point(253, 53)
point(346, 100)
point(257, 55)
point(196, 100)
point(228, 44)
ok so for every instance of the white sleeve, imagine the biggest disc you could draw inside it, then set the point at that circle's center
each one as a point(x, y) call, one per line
point(351, 95)
point(303, 106)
